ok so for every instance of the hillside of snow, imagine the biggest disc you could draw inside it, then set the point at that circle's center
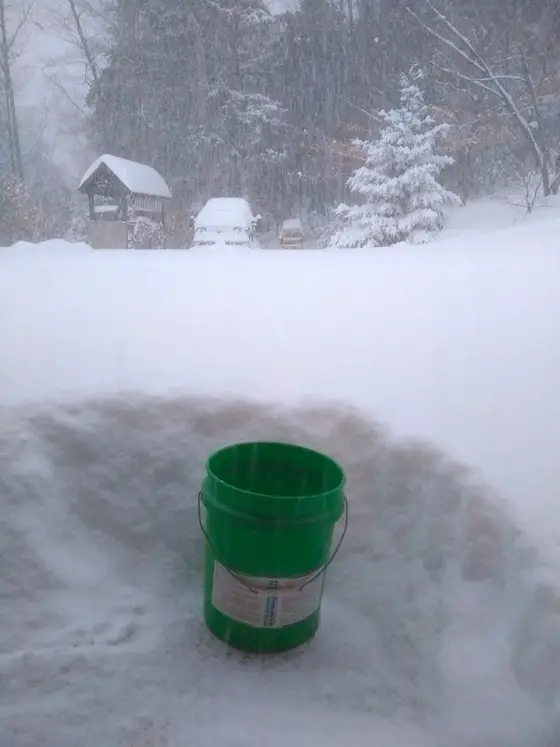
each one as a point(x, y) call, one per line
point(429, 372)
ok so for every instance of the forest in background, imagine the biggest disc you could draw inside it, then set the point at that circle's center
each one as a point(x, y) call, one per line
point(222, 97)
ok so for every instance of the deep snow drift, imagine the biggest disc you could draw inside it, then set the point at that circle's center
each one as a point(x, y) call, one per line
point(441, 619)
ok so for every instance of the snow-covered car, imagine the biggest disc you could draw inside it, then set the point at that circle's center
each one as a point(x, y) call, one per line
point(225, 221)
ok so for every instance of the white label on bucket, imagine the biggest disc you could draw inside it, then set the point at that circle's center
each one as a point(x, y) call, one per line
point(266, 602)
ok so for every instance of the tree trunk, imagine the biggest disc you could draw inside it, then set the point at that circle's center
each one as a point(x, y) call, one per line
point(545, 179)
point(13, 128)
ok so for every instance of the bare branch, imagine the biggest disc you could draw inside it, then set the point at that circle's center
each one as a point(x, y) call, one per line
point(446, 42)
point(534, 102)
point(369, 115)
point(490, 81)
point(468, 78)
point(84, 41)
point(497, 76)
point(63, 90)
point(20, 24)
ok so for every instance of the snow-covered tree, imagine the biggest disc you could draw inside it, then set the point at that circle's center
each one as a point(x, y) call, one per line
point(78, 220)
point(398, 184)
point(18, 214)
point(186, 89)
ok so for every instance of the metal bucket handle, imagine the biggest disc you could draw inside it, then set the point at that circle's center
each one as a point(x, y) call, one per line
point(244, 583)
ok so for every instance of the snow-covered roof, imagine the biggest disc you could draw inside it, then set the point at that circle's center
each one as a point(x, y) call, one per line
point(136, 177)
point(293, 224)
point(226, 212)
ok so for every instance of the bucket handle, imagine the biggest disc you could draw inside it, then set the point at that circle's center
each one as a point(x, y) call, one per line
point(244, 583)
point(336, 549)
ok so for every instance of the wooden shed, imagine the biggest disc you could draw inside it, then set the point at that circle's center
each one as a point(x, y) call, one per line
point(126, 204)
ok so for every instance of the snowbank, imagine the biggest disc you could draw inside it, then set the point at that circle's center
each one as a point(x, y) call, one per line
point(455, 342)
point(500, 212)
point(52, 246)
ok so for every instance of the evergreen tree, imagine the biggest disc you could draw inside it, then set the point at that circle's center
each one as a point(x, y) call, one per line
point(248, 124)
point(185, 90)
point(399, 181)
point(149, 101)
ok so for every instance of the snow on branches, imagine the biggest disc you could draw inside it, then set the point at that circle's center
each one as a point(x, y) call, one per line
point(400, 196)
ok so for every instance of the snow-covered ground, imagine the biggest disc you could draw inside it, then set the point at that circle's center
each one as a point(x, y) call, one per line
point(121, 371)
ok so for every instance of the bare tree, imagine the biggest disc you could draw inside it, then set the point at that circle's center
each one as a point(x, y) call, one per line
point(86, 44)
point(530, 185)
point(512, 68)
point(83, 25)
point(11, 26)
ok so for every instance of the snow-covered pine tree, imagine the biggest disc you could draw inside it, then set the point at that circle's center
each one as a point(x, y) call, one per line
point(401, 196)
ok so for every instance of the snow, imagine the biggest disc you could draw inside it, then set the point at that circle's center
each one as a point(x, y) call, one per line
point(224, 222)
point(401, 195)
point(137, 177)
point(122, 371)
point(219, 238)
point(225, 212)
point(497, 213)
point(49, 247)
point(106, 208)
point(293, 224)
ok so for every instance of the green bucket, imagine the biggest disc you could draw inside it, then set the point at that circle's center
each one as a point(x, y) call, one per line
point(271, 510)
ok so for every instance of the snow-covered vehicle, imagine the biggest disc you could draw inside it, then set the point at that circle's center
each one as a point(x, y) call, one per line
point(225, 221)
point(291, 235)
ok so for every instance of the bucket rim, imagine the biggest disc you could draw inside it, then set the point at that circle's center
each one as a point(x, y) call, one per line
point(336, 489)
